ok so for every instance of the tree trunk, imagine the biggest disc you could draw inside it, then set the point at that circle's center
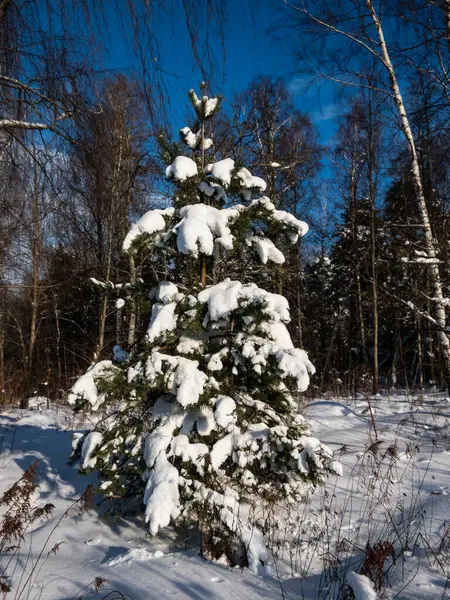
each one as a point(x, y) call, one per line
point(419, 354)
point(132, 302)
point(113, 205)
point(58, 343)
point(2, 356)
point(362, 330)
point(356, 315)
point(373, 253)
point(104, 303)
point(446, 8)
point(298, 301)
point(35, 290)
point(435, 280)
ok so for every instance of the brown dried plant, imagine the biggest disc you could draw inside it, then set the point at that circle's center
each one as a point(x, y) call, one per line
point(20, 511)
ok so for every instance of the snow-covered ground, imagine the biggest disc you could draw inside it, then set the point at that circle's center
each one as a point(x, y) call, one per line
point(393, 501)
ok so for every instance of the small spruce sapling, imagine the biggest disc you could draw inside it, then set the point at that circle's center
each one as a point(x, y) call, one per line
point(200, 420)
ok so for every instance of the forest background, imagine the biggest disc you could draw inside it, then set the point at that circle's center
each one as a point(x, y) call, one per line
point(90, 93)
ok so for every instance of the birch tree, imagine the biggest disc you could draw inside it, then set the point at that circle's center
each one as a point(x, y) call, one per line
point(359, 29)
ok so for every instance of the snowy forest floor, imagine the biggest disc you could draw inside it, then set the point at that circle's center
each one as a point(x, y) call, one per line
point(387, 516)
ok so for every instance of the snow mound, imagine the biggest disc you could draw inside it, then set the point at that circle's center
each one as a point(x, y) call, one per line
point(290, 225)
point(224, 411)
point(85, 388)
point(362, 586)
point(288, 221)
point(152, 222)
point(221, 170)
point(134, 555)
point(204, 107)
point(38, 402)
point(249, 181)
point(166, 292)
point(161, 496)
point(182, 168)
point(37, 419)
point(183, 376)
point(200, 227)
point(90, 443)
point(266, 250)
point(163, 319)
point(227, 296)
point(193, 140)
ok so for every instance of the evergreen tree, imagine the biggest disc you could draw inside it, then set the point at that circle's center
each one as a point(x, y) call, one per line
point(200, 420)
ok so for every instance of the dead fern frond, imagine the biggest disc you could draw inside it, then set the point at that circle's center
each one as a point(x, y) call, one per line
point(4, 587)
point(99, 583)
point(374, 559)
point(43, 511)
point(55, 548)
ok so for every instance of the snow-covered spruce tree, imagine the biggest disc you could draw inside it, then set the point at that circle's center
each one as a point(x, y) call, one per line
point(200, 420)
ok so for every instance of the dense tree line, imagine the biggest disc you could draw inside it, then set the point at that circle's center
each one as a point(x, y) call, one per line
point(82, 155)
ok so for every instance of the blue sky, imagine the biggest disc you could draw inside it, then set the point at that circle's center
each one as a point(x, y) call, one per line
point(249, 51)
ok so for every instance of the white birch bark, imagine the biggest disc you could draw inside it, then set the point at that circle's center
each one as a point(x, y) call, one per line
point(435, 279)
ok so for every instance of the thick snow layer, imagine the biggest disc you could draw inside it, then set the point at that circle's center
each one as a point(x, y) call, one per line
point(159, 439)
point(151, 222)
point(293, 227)
point(221, 170)
point(182, 168)
point(362, 586)
point(166, 292)
point(227, 296)
point(163, 320)
point(225, 447)
point(233, 212)
point(279, 333)
point(292, 362)
point(90, 443)
point(266, 250)
point(189, 137)
point(422, 481)
point(134, 555)
point(249, 181)
point(210, 105)
point(257, 554)
point(191, 343)
point(224, 410)
point(313, 452)
point(193, 140)
point(290, 222)
point(161, 496)
point(37, 418)
point(199, 227)
point(194, 453)
point(195, 236)
point(295, 363)
point(204, 107)
point(196, 102)
point(215, 361)
point(183, 376)
point(222, 299)
point(205, 421)
point(85, 387)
